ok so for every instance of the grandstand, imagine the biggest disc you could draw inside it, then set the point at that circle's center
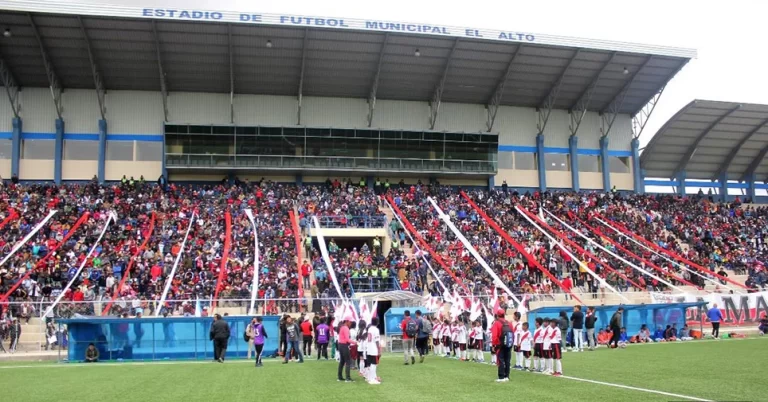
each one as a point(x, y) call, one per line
point(362, 125)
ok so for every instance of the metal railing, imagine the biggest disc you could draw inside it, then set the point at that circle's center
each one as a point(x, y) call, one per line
point(352, 221)
point(281, 162)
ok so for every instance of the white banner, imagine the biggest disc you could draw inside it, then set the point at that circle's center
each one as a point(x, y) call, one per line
point(169, 280)
point(255, 284)
point(28, 236)
point(737, 309)
point(111, 216)
point(326, 258)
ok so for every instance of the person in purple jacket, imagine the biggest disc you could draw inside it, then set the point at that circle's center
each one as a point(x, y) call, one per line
point(259, 336)
point(322, 334)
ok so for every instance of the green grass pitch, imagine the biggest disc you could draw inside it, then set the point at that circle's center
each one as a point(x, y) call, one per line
point(704, 370)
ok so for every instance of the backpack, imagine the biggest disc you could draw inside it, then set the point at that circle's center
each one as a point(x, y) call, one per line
point(411, 328)
point(507, 336)
point(426, 327)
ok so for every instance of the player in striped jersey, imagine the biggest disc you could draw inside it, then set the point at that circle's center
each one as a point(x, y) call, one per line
point(556, 353)
point(518, 330)
point(547, 346)
point(437, 328)
point(525, 346)
point(538, 346)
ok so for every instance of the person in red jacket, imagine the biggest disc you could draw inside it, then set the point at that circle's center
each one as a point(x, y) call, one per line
point(499, 331)
point(306, 332)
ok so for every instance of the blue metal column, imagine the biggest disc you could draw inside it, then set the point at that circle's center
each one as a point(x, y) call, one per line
point(101, 171)
point(370, 181)
point(606, 166)
point(722, 182)
point(751, 187)
point(15, 147)
point(637, 172)
point(541, 162)
point(681, 183)
point(58, 150)
point(491, 183)
point(573, 145)
point(299, 179)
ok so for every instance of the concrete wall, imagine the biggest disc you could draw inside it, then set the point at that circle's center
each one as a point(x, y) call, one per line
point(132, 114)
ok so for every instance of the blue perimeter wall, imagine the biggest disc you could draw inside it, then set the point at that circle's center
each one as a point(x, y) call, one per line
point(160, 338)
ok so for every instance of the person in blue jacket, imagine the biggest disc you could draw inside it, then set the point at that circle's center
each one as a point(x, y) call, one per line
point(658, 336)
point(715, 316)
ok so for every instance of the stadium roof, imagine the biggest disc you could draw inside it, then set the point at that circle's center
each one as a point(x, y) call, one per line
point(129, 50)
point(708, 138)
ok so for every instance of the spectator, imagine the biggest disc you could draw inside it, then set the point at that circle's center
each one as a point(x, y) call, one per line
point(220, 336)
point(577, 323)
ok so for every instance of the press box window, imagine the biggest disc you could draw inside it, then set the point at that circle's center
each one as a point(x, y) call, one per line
point(525, 161)
point(505, 160)
point(149, 151)
point(557, 162)
point(618, 164)
point(119, 150)
point(5, 149)
point(37, 149)
point(81, 150)
point(589, 163)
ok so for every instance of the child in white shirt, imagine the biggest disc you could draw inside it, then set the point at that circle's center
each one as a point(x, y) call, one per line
point(373, 351)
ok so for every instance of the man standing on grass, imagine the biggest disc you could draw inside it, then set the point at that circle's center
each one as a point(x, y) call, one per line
point(502, 339)
point(220, 337)
point(577, 323)
point(616, 324)
point(410, 329)
point(589, 324)
point(292, 334)
point(715, 316)
point(422, 339)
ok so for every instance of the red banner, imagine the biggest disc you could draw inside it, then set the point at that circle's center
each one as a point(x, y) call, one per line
point(50, 254)
point(12, 216)
point(130, 264)
point(520, 249)
point(224, 259)
point(297, 238)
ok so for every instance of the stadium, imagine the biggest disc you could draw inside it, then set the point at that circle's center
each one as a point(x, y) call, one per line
point(164, 166)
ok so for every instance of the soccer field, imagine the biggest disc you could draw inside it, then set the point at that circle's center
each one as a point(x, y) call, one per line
point(704, 370)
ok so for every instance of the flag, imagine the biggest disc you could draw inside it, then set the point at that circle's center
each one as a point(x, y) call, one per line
point(477, 309)
point(488, 317)
point(198, 310)
point(374, 309)
point(521, 308)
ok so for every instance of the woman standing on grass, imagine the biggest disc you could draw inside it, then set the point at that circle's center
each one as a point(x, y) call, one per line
point(345, 361)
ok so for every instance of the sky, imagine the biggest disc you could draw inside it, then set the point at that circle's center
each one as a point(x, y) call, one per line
point(732, 62)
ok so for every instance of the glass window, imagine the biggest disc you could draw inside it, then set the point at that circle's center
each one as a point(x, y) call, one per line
point(294, 132)
point(394, 135)
point(557, 162)
point(37, 149)
point(589, 163)
point(200, 129)
point(223, 130)
point(246, 130)
point(176, 129)
point(81, 150)
point(618, 164)
point(5, 149)
point(149, 151)
point(119, 150)
point(525, 161)
point(505, 160)
point(270, 131)
point(211, 144)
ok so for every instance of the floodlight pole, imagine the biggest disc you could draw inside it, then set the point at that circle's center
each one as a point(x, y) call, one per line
point(231, 76)
point(301, 76)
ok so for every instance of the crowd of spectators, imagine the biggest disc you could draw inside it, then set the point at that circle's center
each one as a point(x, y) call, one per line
point(718, 236)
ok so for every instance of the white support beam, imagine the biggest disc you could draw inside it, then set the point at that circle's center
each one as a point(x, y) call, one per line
point(163, 85)
point(437, 97)
point(579, 108)
point(686, 159)
point(301, 76)
point(545, 105)
point(98, 84)
point(375, 83)
point(492, 106)
point(231, 76)
point(723, 169)
point(12, 88)
point(53, 80)
point(611, 111)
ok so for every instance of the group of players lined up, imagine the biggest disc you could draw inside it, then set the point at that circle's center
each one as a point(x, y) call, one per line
point(538, 352)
